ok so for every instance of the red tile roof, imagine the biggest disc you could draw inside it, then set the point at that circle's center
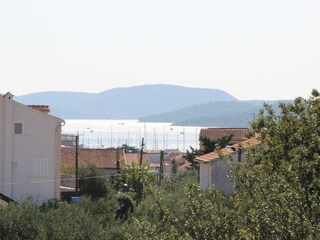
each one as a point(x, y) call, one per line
point(184, 166)
point(41, 108)
point(228, 150)
point(216, 133)
point(102, 158)
point(179, 159)
point(130, 158)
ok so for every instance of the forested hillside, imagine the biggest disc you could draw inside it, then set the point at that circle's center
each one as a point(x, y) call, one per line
point(215, 114)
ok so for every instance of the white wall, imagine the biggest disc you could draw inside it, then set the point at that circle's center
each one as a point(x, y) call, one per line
point(37, 142)
point(1, 144)
point(205, 175)
point(216, 174)
point(6, 119)
point(220, 176)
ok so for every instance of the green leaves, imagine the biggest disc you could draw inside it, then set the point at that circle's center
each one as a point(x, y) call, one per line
point(208, 146)
point(92, 182)
point(133, 177)
point(29, 222)
point(277, 194)
point(277, 188)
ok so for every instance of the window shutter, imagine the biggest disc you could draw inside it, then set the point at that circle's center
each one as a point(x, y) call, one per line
point(39, 167)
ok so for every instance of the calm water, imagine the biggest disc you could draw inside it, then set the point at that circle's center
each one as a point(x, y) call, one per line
point(114, 133)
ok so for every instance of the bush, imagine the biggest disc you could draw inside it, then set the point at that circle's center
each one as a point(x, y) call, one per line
point(92, 182)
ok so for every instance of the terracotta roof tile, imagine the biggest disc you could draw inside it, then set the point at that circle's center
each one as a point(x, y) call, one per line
point(41, 108)
point(227, 150)
point(179, 159)
point(130, 158)
point(102, 158)
point(184, 166)
point(216, 133)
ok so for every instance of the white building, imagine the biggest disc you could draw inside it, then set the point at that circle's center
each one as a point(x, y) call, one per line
point(214, 170)
point(30, 149)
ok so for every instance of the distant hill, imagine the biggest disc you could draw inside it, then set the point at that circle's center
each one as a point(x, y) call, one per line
point(124, 103)
point(214, 114)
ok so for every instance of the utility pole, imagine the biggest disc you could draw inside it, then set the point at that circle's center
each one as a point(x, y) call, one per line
point(77, 160)
point(118, 159)
point(161, 168)
point(141, 152)
point(140, 173)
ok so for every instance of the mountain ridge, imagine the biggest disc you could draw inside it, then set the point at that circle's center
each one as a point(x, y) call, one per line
point(126, 103)
point(215, 114)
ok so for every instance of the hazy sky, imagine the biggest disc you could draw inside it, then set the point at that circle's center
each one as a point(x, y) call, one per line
point(252, 49)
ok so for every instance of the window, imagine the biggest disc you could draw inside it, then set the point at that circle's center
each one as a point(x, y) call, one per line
point(18, 128)
point(15, 165)
point(39, 168)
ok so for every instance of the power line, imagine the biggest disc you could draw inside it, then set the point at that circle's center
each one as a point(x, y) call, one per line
point(50, 180)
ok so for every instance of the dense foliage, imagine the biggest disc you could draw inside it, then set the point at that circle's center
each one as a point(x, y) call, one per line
point(134, 180)
point(278, 188)
point(277, 195)
point(92, 182)
point(65, 222)
point(208, 146)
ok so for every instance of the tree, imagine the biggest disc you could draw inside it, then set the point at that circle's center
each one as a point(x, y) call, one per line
point(211, 145)
point(191, 155)
point(278, 188)
point(184, 212)
point(208, 146)
point(92, 182)
point(126, 206)
point(129, 181)
point(29, 221)
point(128, 148)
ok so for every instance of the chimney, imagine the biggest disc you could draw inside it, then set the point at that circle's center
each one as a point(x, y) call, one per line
point(8, 95)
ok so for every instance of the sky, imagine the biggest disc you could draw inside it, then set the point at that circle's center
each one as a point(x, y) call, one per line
point(252, 49)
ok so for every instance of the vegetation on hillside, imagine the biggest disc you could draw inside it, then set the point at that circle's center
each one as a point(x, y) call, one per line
point(216, 114)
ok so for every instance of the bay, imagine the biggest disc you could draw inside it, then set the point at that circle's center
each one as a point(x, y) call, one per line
point(114, 133)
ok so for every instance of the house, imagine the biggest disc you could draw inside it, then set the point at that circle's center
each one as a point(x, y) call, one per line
point(29, 151)
point(169, 156)
point(104, 159)
point(213, 169)
point(134, 158)
point(239, 134)
point(181, 162)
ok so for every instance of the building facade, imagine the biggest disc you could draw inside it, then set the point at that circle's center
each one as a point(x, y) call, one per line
point(30, 151)
point(213, 167)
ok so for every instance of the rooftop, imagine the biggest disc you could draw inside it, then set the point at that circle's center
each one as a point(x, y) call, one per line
point(41, 108)
point(216, 133)
point(227, 150)
point(101, 158)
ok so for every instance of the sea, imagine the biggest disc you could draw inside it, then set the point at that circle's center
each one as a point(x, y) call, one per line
point(114, 133)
